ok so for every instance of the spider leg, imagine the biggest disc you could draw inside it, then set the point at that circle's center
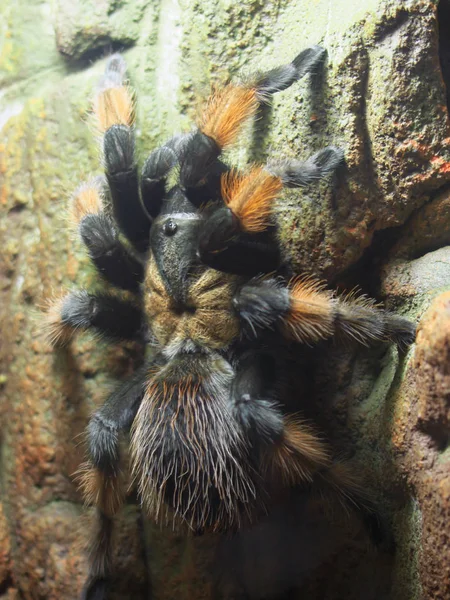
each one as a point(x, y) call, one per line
point(229, 108)
point(237, 236)
point(244, 255)
point(105, 314)
point(108, 254)
point(307, 313)
point(249, 203)
point(288, 451)
point(276, 80)
point(101, 480)
point(296, 173)
point(115, 416)
point(253, 399)
point(156, 169)
point(101, 238)
point(114, 111)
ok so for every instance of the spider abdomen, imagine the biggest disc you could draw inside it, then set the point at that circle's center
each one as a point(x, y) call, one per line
point(188, 451)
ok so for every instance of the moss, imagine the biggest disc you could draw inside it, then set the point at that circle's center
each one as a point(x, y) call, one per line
point(27, 41)
point(408, 528)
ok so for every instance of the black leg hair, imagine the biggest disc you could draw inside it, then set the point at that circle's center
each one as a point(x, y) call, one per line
point(261, 304)
point(207, 191)
point(201, 154)
point(295, 173)
point(241, 255)
point(200, 171)
point(253, 399)
point(121, 172)
point(156, 169)
point(116, 415)
point(153, 179)
point(280, 78)
point(284, 449)
point(104, 313)
point(359, 319)
point(109, 255)
point(100, 479)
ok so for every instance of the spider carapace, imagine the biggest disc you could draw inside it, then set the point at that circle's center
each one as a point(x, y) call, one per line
point(215, 438)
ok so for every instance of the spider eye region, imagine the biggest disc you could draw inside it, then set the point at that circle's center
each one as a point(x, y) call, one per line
point(170, 227)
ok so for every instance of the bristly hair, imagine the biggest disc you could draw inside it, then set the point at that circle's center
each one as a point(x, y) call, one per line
point(357, 320)
point(114, 106)
point(105, 491)
point(226, 112)
point(52, 327)
point(188, 451)
point(86, 200)
point(311, 314)
point(298, 455)
point(113, 103)
point(251, 197)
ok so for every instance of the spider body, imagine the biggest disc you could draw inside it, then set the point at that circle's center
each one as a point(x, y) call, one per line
point(216, 440)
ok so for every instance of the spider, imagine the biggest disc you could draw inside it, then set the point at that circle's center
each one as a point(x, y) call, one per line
point(215, 435)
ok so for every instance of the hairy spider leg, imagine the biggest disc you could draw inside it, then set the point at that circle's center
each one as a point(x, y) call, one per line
point(101, 480)
point(250, 196)
point(87, 199)
point(100, 235)
point(114, 111)
point(230, 230)
point(226, 245)
point(111, 258)
point(306, 312)
point(297, 173)
point(230, 107)
point(156, 169)
point(105, 314)
point(286, 450)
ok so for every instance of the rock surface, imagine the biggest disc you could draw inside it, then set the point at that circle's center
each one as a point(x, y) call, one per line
point(384, 222)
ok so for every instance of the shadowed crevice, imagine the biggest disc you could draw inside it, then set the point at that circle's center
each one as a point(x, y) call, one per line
point(90, 56)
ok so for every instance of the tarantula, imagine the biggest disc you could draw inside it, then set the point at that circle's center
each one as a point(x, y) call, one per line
point(215, 438)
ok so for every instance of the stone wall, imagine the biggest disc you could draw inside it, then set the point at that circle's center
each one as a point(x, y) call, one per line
point(384, 224)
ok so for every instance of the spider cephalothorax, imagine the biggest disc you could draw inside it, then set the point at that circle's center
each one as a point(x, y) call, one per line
point(213, 441)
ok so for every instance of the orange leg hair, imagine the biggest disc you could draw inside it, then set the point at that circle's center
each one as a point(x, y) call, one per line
point(113, 103)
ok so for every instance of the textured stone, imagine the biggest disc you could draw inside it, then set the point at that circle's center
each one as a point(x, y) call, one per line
point(5, 550)
point(419, 279)
point(27, 47)
point(428, 229)
point(382, 98)
point(374, 92)
point(420, 439)
point(85, 27)
point(432, 366)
